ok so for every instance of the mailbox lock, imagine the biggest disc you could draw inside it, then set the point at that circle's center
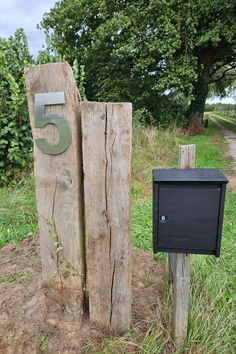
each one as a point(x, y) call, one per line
point(163, 218)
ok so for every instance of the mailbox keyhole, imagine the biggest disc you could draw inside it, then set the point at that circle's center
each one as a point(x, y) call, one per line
point(163, 218)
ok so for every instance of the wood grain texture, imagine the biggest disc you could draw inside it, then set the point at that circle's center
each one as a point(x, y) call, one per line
point(106, 131)
point(59, 192)
point(181, 286)
point(179, 268)
point(187, 156)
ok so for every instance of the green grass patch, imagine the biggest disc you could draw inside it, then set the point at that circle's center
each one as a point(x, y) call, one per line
point(232, 118)
point(43, 340)
point(142, 225)
point(210, 149)
point(18, 217)
point(20, 278)
point(213, 295)
point(229, 124)
point(156, 148)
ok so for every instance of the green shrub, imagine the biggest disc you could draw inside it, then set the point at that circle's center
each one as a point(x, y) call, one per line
point(15, 133)
point(163, 111)
point(143, 116)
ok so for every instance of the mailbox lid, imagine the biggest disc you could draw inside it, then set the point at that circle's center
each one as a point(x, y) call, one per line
point(193, 175)
point(191, 217)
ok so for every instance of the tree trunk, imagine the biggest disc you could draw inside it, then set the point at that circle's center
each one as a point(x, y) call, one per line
point(197, 106)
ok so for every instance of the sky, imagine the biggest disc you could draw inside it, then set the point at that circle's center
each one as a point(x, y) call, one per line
point(225, 100)
point(24, 14)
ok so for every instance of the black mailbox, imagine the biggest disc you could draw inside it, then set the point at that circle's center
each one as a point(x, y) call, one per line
point(188, 209)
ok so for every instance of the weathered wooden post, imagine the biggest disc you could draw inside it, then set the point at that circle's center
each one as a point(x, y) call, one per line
point(106, 130)
point(179, 268)
point(54, 107)
point(67, 135)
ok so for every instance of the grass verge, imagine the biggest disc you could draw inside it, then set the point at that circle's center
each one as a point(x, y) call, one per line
point(227, 121)
point(212, 303)
point(212, 291)
point(18, 217)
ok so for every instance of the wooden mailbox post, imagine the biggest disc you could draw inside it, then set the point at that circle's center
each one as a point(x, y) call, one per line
point(179, 268)
point(82, 169)
point(188, 208)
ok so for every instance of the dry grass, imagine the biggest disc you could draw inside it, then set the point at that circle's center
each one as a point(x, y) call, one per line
point(152, 148)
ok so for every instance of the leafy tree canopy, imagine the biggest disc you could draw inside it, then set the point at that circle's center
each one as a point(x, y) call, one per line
point(137, 50)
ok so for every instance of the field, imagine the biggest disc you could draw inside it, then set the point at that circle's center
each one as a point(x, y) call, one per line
point(212, 302)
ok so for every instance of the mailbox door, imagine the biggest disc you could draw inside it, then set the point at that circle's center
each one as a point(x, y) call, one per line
point(188, 217)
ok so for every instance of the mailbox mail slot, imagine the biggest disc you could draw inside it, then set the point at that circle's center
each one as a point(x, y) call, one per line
point(188, 208)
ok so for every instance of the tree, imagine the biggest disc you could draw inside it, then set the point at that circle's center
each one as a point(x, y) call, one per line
point(212, 42)
point(48, 54)
point(141, 50)
point(224, 82)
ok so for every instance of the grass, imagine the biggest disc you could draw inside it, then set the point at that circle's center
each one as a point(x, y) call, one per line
point(43, 340)
point(232, 118)
point(17, 212)
point(20, 278)
point(230, 123)
point(213, 291)
point(151, 148)
point(212, 307)
point(210, 148)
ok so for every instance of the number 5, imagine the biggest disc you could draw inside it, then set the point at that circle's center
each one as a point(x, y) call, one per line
point(41, 120)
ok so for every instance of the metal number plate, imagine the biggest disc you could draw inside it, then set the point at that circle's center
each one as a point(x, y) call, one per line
point(41, 120)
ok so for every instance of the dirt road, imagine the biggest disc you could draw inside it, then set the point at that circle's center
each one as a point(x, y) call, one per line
point(231, 140)
point(224, 119)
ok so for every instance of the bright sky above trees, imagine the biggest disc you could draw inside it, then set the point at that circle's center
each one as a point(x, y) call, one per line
point(26, 14)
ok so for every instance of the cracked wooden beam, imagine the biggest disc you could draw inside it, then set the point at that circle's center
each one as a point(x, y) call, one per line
point(58, 180)
point(106, 131)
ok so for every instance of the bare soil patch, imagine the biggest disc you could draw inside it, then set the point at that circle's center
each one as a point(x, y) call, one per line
point(23, 328)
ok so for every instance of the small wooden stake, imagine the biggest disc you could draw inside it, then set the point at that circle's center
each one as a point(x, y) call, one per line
point(179, 269)
point(106, 130)
point(59, 192)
